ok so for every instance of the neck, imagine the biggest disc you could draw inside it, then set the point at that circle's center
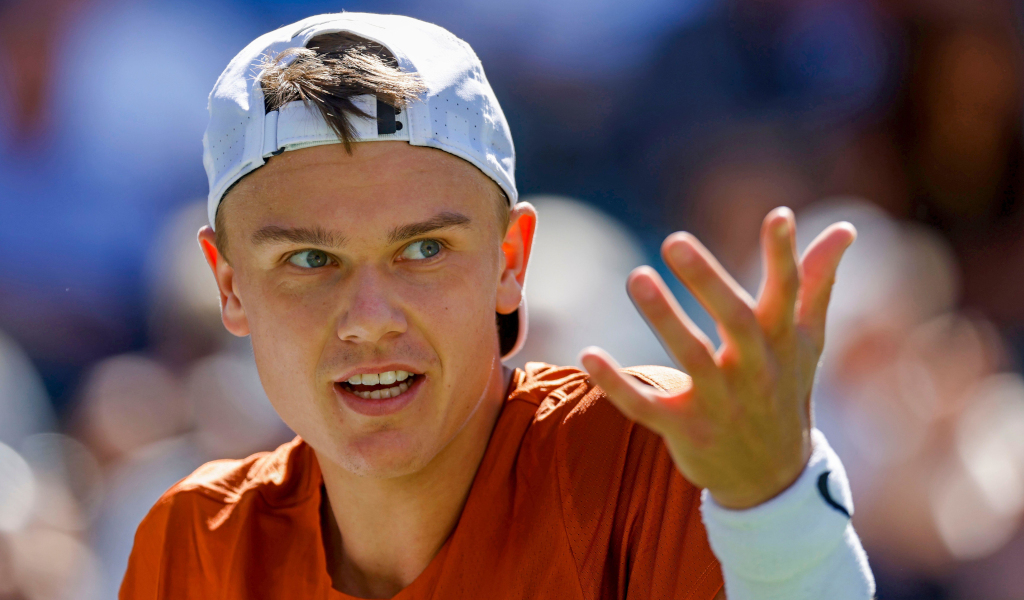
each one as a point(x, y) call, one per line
point(380, 534)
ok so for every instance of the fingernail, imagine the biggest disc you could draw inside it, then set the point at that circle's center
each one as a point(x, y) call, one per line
point(781, 228)
point(682, 253)
point(645, 289)
point(585, 356)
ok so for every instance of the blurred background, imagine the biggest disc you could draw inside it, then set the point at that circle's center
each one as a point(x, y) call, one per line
point(631, 120)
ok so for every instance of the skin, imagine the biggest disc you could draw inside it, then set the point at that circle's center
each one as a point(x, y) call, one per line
point(402, 478)
point(741, 430)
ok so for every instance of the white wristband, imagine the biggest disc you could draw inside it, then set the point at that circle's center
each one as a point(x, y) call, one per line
point(799, 545)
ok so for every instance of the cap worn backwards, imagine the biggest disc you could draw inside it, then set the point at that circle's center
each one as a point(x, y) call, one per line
point(458, 112)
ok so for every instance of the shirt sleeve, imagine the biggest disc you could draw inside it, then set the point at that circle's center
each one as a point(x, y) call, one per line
point(169, 560)
point(145, 564)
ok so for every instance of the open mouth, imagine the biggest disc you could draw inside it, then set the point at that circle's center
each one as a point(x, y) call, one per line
point(377, 386)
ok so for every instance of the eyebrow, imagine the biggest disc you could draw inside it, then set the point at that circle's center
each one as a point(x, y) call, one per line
point(442, 220)
point(312, 236)
point(318, 236)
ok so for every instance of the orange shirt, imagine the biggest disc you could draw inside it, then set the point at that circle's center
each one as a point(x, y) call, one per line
point(571, 500)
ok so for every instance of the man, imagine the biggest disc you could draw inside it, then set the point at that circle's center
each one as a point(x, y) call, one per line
point(381, 282)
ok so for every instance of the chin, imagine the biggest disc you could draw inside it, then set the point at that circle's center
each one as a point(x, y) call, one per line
point(384, 455)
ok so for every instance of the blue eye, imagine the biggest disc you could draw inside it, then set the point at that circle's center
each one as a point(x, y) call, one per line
point(421, 249)
point(309, 259)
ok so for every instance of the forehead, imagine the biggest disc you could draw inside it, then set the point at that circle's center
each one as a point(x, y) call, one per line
point(377, 179)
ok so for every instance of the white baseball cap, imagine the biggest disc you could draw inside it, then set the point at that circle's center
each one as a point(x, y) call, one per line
point(458, 112)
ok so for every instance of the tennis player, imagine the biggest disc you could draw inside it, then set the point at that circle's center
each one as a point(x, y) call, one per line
point(366, 235)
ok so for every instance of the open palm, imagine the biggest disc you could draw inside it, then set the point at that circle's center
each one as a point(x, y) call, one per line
point(742, 428)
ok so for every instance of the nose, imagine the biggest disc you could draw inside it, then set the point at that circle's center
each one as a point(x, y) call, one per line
point(370, 314)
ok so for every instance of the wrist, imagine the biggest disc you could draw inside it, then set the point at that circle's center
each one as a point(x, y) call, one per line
point(799, 545)
point(768, 481)
point(789, 534)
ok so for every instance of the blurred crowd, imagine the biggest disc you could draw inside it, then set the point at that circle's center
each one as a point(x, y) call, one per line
point(632, 120)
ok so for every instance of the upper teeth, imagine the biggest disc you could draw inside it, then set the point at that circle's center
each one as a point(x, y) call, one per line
point(385, 378)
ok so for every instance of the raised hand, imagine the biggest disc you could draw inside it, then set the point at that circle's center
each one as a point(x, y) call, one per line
point(742, 429)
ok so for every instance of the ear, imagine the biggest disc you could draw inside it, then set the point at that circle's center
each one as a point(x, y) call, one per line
point(231, 311)
point(516, 249)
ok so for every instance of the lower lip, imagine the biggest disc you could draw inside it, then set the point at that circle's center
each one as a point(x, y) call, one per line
point(381, 407)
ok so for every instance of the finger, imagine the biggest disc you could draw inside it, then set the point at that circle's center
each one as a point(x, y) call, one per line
point(627, 394)
point(682, 339)
point(727, 302)
point(818, 274)
point(777, 300)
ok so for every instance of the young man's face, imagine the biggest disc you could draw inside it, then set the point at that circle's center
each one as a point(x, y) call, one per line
point(388, 260)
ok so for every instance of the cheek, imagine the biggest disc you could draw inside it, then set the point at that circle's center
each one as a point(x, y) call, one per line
point(456, 317)
point(288, 332)
point(455, 309)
